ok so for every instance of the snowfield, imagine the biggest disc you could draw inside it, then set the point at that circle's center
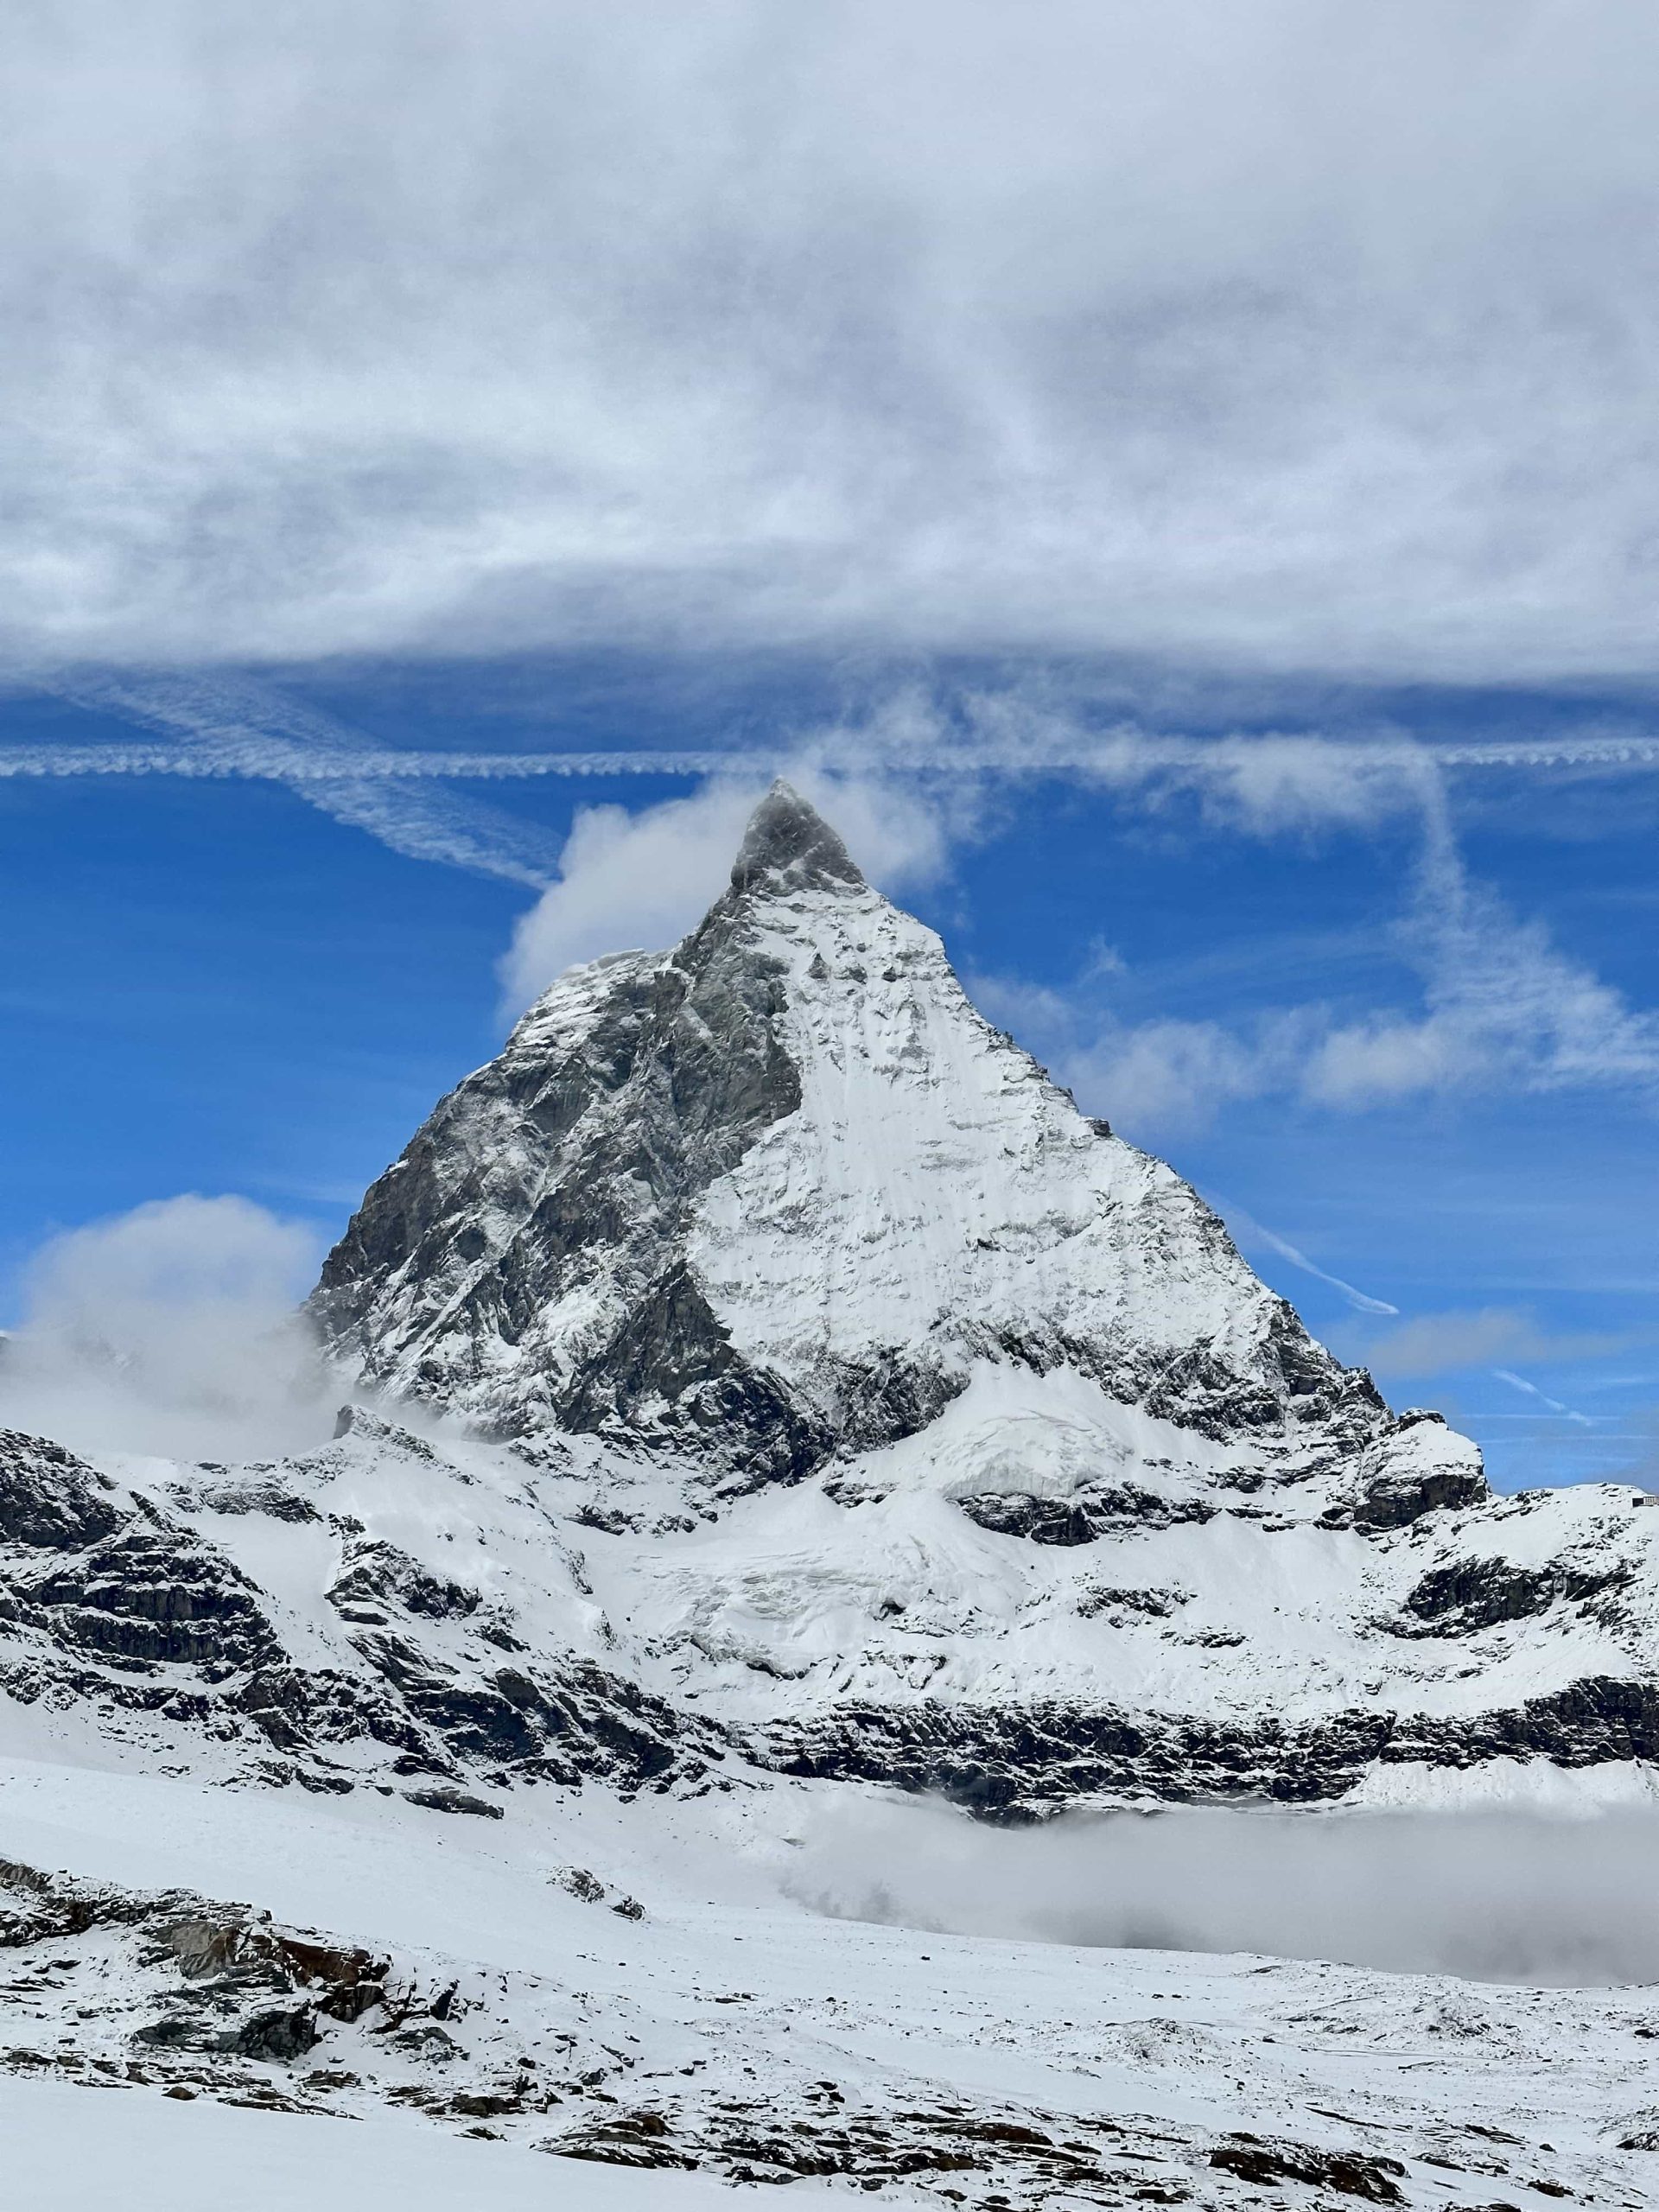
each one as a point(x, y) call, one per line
point(733, 2023)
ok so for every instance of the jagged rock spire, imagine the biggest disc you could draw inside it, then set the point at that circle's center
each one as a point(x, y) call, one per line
point(788, 837)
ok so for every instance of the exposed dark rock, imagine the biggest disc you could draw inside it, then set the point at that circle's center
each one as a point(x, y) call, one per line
point(1395, 1501)
point(378, 1573)
point(282, 2035)
point(152, 1591)
point(49, 1500)
point(581, 1882)
point(1471, 1595)
point(268, 1498)
point(1007, 1763)
point(670, 1370)
point(1084, 1517)
point(788, 838)
point(1157, 1604)
point(447, 1800)
point(1350, 2173)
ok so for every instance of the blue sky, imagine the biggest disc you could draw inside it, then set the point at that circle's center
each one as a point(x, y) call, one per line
point(1179, 485)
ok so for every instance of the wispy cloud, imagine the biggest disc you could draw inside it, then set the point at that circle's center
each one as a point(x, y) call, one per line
point(1531, 1390)
point(1501, 1004)
point(221, 725)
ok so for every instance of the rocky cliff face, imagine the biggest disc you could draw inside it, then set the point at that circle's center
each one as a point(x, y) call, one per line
point(808, 1387)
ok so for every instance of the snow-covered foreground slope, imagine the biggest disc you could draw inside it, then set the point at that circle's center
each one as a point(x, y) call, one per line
point(472, 1984)
point(154, 2154)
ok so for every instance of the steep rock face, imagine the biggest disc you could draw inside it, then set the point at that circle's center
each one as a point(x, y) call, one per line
point(768, 1199)
point(525, 1261)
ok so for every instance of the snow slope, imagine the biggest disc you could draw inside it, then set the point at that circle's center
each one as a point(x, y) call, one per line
point(729, 2024)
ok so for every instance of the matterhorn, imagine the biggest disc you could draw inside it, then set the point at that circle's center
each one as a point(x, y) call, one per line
point(765, 1397)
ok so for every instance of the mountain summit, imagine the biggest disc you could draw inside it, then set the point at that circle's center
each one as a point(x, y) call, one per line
point(778, 1196)
point(787, 837)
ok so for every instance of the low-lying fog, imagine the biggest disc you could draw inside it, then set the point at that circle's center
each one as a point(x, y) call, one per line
point(1497, 1896)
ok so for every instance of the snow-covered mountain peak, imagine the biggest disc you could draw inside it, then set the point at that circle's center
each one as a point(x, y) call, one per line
point(789, 846)
point(843, 1403)
point(770, 1201)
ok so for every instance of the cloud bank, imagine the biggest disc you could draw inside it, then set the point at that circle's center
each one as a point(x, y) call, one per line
point(171, 1330)
point(1498, 1895)
point(1284, 337)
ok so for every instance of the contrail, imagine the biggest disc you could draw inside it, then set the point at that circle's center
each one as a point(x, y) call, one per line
point(295, 766)
point(1250, 1230)
point(218, 727)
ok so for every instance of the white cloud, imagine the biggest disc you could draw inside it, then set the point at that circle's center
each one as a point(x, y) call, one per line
point(1278, 336)
point(1504, 1004)
point(642, 881)
point(171, 1330)
point(626, 880)
point(1171, 1076)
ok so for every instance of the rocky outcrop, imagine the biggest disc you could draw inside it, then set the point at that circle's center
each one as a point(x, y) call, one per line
point(1019, 1764)
point(124, 1612)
